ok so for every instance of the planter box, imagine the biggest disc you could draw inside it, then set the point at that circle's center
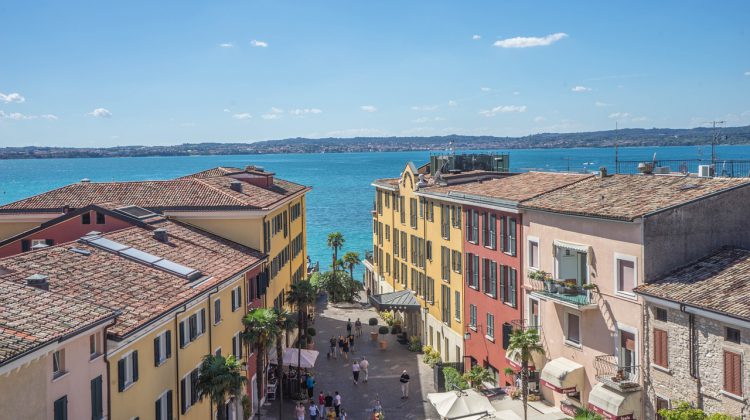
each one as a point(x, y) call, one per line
point(383, 344)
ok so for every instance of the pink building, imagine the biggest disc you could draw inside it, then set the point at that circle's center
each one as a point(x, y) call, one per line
point(599, 239)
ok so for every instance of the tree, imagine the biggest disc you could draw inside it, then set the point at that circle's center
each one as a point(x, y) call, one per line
point(526, 343)
point(301, 295)
point(261, 329)
point(339, 286)
point(684, 411)
point(335, 242)
point(219, 378)
point(285, 323)
point(351, 259)
point(477, 376)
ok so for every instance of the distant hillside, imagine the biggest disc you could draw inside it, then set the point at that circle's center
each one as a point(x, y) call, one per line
point(625, 137)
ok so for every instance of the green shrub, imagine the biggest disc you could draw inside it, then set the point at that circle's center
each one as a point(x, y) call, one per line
point(431, 356)
point(684, 411)
point(584, 414)
point(383, 330)
point(396, 329)
point(388, 317)
point(454, 380)
point(373, 322)
point(311, 332)
point(415, 344)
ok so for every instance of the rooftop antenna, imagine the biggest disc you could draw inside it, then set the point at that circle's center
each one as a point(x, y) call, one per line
point(714, 139)
point(617, 164)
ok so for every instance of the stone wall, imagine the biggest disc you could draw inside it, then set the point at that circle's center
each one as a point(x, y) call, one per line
point(676, 383)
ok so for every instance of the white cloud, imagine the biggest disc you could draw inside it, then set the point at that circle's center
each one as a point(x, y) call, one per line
point(476, 37)
point(539, 119)
point(368, 108)
point(601, 104)
point(227, 110)
point(226, 45)
point(747, 73)
point(50, 117)
point(581, 89)
point(270, 116)
point(616, 115)
point(100, 113)
point(17, 116)
point(531, 41)
point(452, 103)
point(502, 109)
point(485, 89)
point(242, 116)
point(516, 93)
point(275, 110)
point(11, 97)
point(256, 43)
point(305, 111)
point(424, 108)
point(422, 120)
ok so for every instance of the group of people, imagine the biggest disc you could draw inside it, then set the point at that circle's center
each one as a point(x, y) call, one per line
point(345, 344)
point(328, 407)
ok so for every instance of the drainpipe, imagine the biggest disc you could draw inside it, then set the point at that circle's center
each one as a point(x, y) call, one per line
point(177, 358)
point(693, 348)
point(210, 320)
point(645, 353)
point(106, 363)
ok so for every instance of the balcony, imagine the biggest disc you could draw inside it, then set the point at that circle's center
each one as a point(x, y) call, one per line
point(524, 325)
point(368, 256)
point(624, 378)
point(572, 296)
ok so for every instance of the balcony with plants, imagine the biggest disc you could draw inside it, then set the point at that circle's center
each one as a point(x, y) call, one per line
point(569, 292)
point(616, 375)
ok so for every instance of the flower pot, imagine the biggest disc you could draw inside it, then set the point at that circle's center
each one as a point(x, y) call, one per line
point(374, 335)
point(311, 345)
point(383, 344)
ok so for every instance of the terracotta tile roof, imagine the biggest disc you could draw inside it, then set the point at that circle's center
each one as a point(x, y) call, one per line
point(218, 171)
point(718, 283)
point(30, 318)
point(184, 193)
point(140, 291)
point(518, 187)
point(388, 182)
point(627, 197)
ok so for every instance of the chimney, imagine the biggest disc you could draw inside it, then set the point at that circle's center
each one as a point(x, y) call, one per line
point(602, 172)
point(40, 281)
point(236, 186)
point(161, 235)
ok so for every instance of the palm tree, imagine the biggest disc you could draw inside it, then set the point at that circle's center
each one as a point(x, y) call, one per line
point(219, 378)
point(301, 295)
point(260, 329)
point(477, 376)
point(351, 259)
point(284, 323)
point(526, 343)
point(335, 242)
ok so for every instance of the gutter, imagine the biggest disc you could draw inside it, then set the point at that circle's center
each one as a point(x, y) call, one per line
point(106, 362)
point(177, 349)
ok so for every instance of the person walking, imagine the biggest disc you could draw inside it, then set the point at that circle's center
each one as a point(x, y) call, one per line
point(313, 409)
point(321, 402)
point(337, 404)
point(358, 327)
point(310, 383)
point(404, 385)
point(346, 349)
point(341, 345)
point(355, 371)
point(333, 347)
point(363, 366)
point(299, 411)
point(349, 327)
point(351, 343)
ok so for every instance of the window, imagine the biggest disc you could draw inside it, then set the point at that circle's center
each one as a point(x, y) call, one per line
point(446, 303)
point(100, 219)
point(485, 229)
point(457, 305)
point(661, 350)
point(625, 275)
point(395, 242)
point(421, 252)
point(413, 212)
point(95, 345)
point(379, 204)
point(402, 209)
point(626, 357)
point(660, 314)
point(471, 271)
point(473, 316)
point(236, 298)
point(188, 390)
point(296, 211)
point(490, 325)
point(533, 253)
point(445, 263)
point(387, 200)
point(445, 230)
point(732, 335)
point(512, 236)
point(508, 285)
point(97, 403)
point(493, 231)
point(404, 275)
point(430, 293)
point(732, 373)
point(387, 263)
point(127, 370)
point(387, 233)
point(164, 406)
point(237, 345)
point(429, 211)
point(572, 328)
point(162, 347)
point(86, 219)
point(58, 363)
point(661, 404)
point(192, 328)
point(61, 408)
point(429, 251)
point(456, 261)
point(404, 246)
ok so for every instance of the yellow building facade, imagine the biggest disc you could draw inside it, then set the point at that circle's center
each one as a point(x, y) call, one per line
point(417, 246)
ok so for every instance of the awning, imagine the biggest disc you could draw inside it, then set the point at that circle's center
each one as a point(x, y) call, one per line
point(306, 357)
point(514, 359)
point(571, 246)
point(611, 404)
point(562, 375)
point(403, 300)
point(465, 405)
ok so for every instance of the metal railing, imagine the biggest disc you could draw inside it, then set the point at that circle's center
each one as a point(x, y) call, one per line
point(576, 296)
point(368, 256)
point(738, 168)
point(616, 375)
point(524, 325)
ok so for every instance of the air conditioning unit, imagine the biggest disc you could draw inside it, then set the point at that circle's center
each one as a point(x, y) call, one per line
point(705, 171)
point(661, 170)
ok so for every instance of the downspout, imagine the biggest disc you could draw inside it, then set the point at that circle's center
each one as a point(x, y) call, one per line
point(177, 359)
point(106, 362)
point(645, 354)
point(692, 349)
point(210, 320)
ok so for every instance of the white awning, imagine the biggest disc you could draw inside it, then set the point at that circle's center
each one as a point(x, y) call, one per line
point(562, 375)
point(305, 358)
point(571, 246)
point(465, 405)
point(612, 404)
point(514, 359)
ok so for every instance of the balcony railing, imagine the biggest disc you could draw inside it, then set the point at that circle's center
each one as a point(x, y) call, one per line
point(577, 297)
point(524, 325)
point(615, 375)
point(368, 256)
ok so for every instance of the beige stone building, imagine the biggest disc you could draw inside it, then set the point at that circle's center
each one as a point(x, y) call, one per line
point(698, 323)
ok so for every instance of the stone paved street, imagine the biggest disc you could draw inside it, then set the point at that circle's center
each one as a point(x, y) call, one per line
point(385, 369)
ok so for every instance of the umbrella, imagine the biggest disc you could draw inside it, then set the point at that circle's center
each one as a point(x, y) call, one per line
point(466, 405)
point(306, 360)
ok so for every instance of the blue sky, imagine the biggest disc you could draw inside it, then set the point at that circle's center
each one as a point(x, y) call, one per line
point(168, 72)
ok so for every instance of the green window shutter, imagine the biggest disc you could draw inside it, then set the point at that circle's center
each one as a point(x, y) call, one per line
point(121, 375)
point(135, 366)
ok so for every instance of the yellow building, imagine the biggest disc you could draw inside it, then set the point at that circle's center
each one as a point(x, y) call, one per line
point(417, 245)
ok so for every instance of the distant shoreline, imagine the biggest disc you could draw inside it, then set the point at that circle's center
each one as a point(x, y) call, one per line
point(655, 137)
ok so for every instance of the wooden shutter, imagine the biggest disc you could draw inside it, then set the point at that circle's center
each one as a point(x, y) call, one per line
point(121, 375)
point(732, 373)
point(182, 334)
point(157, 415)
point(135, 366)
point(96, 398)
point(49, 242)
point(25, 245)
point(157, 356)
point(661, 351)
point(168, 338)
point(61, 408)
point(507, 330)
point(183, 391)
point(169, 405)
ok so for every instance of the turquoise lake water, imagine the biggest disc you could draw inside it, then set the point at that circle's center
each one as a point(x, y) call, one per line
point(341, 196)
